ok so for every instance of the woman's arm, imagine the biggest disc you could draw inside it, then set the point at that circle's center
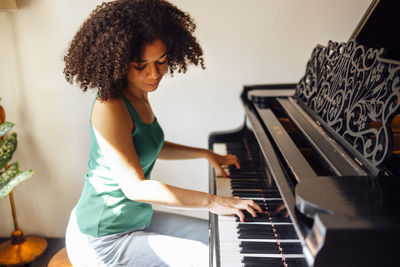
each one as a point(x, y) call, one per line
point(176, 151)
point(113, 127)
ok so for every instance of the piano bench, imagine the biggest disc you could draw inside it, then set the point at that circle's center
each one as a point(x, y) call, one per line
point(60, 259)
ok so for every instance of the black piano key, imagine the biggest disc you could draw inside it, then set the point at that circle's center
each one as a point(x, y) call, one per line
point(234, 145)
point(252, 247)
point(251, 161)
point(270, 247)
point(246, 168)
point(254, 219)
point(267, 193)
point(248, 234)
point(257, 194)
point(256, 227)
point(275, 218)
point(242, 182)
point(252, 235)
point(245, 186)
point(265, 261)
point(285, 231)
point(247, 181)
point(282, 231)
point(251, 181)
point(291, 248)
point(252, 184)
point(248, 175)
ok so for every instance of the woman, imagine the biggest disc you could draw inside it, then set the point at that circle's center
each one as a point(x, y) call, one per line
point(123, 51)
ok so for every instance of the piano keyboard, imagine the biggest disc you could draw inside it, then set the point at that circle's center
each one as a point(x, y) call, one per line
point(266, 240)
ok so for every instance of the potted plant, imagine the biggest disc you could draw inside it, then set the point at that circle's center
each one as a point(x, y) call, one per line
point(19, 249)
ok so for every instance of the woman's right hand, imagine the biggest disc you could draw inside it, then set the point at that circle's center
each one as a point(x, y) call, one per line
point(233, 206)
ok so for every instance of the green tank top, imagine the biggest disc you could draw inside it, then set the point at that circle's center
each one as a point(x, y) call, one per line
point(103, 208)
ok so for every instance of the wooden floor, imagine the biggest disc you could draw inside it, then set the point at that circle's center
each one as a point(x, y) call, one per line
point(53, 246)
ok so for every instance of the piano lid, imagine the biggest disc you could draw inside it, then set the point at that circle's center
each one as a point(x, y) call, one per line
point(379, 28)
point(353, 88)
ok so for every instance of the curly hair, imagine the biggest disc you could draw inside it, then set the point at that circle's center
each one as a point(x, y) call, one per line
point(116, 33)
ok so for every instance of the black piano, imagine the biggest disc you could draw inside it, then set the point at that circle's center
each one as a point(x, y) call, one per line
point(321, 157)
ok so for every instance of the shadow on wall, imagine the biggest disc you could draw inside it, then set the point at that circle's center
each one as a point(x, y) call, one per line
point(23, 3)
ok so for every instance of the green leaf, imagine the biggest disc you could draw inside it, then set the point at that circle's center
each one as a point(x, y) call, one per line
point(5, 127)
point(11, 178)
point(7, 148)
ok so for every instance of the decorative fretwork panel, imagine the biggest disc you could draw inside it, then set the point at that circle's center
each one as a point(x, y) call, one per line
point(354, 92)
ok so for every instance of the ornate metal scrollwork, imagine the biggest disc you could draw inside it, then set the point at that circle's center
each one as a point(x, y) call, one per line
point(355, 93)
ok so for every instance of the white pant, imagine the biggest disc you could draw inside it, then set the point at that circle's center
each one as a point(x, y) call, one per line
point(170, 240)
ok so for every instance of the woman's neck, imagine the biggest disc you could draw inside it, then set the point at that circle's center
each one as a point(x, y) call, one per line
point(136, 95)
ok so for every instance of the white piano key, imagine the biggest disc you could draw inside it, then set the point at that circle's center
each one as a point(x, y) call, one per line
point(220, 148)
point(227, 218)
point(227, 231)
point(231, 262)
point(223, 186)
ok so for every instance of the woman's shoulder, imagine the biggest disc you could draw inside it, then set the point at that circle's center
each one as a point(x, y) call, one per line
point(111, 111)
point(110, 106)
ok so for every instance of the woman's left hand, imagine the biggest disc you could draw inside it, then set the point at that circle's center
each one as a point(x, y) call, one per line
point(221, 161)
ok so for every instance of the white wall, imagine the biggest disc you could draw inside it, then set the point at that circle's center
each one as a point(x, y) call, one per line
point(245, 42)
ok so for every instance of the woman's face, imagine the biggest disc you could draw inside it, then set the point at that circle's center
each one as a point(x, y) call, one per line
point(145, 74)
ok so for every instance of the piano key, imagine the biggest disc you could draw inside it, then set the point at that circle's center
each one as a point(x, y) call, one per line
point(247, 170)
point(228, 233)
point(259, 247)
point(296, 262)
point(250, 181)
point(276, 218)
point(270, 247)
point(261, 217)
point(223, 187)
point(283, 231)
point(230, 252)
point(246, 234)
point(227, 253)
point(234, 174)
point(267, 261)
point(256, 239)
point(270, 262)
point(234, 261)
point(255, 194)
point(255, 235)
point(254, 184)
point(220, 148)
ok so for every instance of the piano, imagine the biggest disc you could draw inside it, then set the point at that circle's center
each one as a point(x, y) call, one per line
point(321, 157)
